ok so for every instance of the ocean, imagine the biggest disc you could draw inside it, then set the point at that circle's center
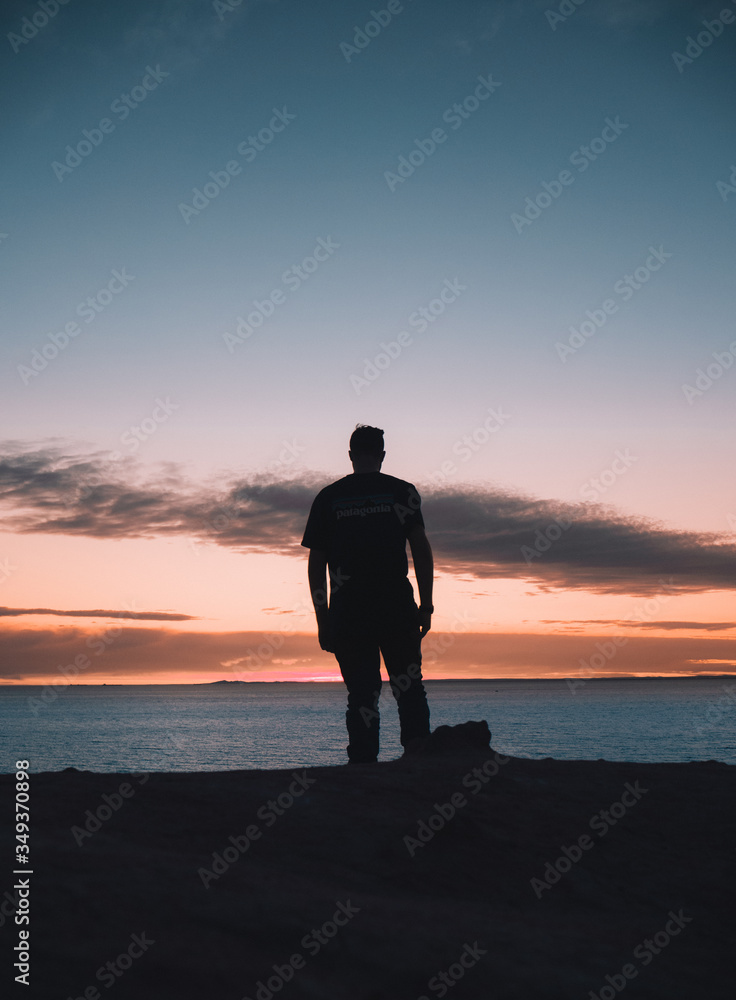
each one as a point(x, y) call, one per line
point(215, 727)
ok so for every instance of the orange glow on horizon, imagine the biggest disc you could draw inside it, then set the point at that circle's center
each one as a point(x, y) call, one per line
point(54, 680)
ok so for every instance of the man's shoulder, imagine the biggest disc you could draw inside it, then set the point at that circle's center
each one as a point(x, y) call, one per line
point(359, 483)
point(398, 483)
point(338, 484)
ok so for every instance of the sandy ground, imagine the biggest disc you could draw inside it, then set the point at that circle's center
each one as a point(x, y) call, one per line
point(452, 872)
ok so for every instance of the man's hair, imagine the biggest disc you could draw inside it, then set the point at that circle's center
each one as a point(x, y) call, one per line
point(366, 440)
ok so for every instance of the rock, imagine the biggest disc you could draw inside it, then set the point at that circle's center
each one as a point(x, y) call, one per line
point(453, 739)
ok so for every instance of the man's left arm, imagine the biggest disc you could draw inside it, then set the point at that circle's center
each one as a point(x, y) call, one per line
point(421, 553)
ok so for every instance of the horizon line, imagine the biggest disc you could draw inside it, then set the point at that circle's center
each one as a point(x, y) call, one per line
point(432, 680)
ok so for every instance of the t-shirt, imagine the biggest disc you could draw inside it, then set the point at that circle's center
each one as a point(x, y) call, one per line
point(362, 522)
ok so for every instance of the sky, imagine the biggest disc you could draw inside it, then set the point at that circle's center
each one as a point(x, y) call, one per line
point(502, 232)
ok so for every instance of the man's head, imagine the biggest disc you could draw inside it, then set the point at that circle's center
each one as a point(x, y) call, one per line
point(366, 448)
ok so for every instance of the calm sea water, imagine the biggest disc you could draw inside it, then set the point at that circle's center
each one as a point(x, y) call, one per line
point(205, 727)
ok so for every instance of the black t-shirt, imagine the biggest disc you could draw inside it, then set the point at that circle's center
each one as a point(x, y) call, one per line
point(362, 522)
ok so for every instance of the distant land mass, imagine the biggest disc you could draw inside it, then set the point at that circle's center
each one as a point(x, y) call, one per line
point(497, 680)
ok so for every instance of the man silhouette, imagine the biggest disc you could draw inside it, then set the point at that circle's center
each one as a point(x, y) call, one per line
point(359, 527)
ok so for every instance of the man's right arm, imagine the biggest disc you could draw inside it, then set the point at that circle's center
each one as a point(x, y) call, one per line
point(317, 572)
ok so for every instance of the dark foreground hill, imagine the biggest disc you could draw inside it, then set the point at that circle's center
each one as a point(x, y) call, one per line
point(454, 872)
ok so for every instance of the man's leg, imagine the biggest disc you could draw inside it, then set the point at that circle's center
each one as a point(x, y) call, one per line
point(402, 653)
point(359, 658)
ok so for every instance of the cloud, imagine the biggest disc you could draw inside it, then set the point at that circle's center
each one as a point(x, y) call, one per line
point(96, 496)
point(493, 533)
point(478, 531)
point(159, 654)
point(153, 616)
point(629, 623)
point(704, 626)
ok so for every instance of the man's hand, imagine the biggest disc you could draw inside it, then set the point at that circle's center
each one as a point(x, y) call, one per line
point(425, 623)
point(324, 632)
point(324, 635)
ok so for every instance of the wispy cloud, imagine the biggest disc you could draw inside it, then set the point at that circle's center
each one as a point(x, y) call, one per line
point(667, 626)
point(151, 616)
point(702, 626)
point(475, 530)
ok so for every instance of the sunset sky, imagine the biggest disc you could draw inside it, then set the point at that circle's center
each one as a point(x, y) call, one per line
point(232, 231)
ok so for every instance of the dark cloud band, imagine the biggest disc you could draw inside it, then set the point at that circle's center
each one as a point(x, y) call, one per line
point(482, 531)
